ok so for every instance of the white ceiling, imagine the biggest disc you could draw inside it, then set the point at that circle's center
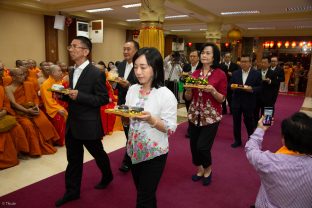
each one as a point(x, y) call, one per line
point(273, 18)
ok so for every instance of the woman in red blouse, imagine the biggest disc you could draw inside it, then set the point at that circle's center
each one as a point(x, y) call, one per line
point(205, 111)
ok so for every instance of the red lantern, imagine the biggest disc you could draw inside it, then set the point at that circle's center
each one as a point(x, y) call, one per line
point(267, 44)
point(286, 44)
point(271, 44)
point(279, 44)
point(189, 44)
point(309, 44)
point(301, 44)
point(227, 44)
point(293, 44)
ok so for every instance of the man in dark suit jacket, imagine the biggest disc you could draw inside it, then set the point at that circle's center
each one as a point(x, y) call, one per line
point(83, 126)
point(266, 98)
point(244, 99)
point(279, 73)
point(190, 68)
point(125, 79)
point(228, 67)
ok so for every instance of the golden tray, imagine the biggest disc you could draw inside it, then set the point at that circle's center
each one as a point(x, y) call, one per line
point(197, 86)
point(64, 91)
point(237, 86)
point(122, 113)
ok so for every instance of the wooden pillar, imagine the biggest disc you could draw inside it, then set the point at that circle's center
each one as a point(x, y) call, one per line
point(51, 39)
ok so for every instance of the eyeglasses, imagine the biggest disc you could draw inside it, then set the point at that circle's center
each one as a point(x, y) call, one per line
point(74, 47)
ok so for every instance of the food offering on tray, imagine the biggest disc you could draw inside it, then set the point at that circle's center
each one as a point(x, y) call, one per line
point(239, 86)
point(59, 89)
point(126, 111)
point(111, 76)
point(199, 83)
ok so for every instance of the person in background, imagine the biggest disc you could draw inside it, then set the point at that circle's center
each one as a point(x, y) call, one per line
point(228, 67)
point(55, 110)
point(279, 74)
point(148, 144)
point(286, 179)
point(205, 112)
point(190, 68)
point(244, 99)
point(83, 127)
point(111, 66)
point(125, 79)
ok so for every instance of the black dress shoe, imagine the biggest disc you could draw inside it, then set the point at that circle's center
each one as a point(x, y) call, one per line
point(236, 144)
point(104, 183)
point(124, 168)
point(195, 177)
point(65, 199)
point(207, 180)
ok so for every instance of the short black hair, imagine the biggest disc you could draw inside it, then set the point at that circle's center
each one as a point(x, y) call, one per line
point(85, 41)
point(246, 56)
point(297, 132)
point(265, 57)
point(155, 60)
point(136, 44)
point(216, 54)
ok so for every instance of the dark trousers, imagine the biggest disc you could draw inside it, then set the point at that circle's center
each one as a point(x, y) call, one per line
point(187, 105)
point(201, 141)
point(74, 152)
point(229, 98)
point(146, 176)
point(126, 159)
point(237, 120)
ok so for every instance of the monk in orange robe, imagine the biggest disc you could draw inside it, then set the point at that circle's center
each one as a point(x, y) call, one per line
point(6, 78)
point(40, 133)
point(54, 108)
point(13, 141)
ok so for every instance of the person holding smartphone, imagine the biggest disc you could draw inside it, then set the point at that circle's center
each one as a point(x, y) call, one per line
point(286, 179)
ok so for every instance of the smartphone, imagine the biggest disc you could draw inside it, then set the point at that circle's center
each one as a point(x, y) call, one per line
point(268, 115)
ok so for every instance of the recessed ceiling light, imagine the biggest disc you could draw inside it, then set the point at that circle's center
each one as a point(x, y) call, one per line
point(261, 28)
point(299, 8)
point(133, 20)
point(131, 5)
point(181, 30)
point(240, 12)
point(176, 16)
point(99, 10)
point(303, 26)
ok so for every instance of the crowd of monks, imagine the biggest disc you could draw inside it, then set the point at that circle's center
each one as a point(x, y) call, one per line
point(25, 94)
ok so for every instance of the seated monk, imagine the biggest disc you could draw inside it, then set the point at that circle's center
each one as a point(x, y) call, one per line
point(33, 70)
point(39, 131)
point(13, 140)
point(55, 109)
point(6, 77)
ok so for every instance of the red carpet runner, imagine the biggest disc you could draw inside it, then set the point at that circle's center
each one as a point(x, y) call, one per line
point(234, 182)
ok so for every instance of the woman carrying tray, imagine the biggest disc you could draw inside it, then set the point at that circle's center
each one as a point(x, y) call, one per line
point(205, 110)
point(148, 145)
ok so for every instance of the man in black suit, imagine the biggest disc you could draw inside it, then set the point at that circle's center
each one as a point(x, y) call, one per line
point(125, 79)
point(279, 73)
point(266, 98)
point(228, 67)
point(190, 68)
point(83, 127)
point(244, 99)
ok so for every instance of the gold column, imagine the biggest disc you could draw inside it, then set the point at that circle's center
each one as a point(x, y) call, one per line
point(152, 15)
point(213, 33)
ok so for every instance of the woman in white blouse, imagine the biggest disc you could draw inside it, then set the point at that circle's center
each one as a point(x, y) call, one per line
point(148, 133)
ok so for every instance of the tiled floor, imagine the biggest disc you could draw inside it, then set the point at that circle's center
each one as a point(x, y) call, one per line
point(32, 170)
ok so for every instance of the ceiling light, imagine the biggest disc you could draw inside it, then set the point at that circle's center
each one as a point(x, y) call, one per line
point(303, 26)
point(181, 30)
point(261, 28)
point(131, 5)
point(99, 10)
point(240, 12)
point(133, 20)
point(299, 8)
point(202, 29)
point(176, 16)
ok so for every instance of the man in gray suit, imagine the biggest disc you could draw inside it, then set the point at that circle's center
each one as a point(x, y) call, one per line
point(83, 127)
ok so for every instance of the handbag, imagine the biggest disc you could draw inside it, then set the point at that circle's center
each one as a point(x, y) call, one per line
point(7, 122)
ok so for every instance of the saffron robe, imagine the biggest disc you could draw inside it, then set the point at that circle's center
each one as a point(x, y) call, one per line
point(52, 106)
point(40, 133)
point(13, 141)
